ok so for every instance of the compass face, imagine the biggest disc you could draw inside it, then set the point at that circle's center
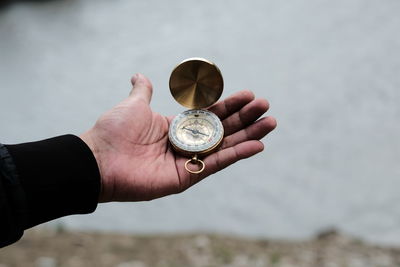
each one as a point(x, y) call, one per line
point(196, 131)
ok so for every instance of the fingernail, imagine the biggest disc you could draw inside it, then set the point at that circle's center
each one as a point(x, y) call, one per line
point(134, 78)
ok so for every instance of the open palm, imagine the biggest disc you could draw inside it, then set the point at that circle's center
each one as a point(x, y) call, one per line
point(136, 162)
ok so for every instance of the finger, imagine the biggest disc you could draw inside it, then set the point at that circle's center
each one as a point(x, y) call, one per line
point(255, 131)
point(245, 116)
point(225, 157)
point(142, 87)
point(232, 104)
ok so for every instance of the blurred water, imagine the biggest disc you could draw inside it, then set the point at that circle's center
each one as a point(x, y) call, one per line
point(330, 69)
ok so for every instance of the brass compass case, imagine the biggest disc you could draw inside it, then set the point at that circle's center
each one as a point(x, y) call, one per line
point(196, 83)
point(201, 124)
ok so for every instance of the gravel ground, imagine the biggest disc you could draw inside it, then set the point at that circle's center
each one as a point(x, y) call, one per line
point(44, 248)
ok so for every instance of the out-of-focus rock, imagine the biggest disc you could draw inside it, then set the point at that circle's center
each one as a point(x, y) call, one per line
point(201, 241)
point(132, 264)
point(46, 262)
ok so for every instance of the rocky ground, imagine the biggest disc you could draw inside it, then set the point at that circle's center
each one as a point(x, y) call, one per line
point(45, 248)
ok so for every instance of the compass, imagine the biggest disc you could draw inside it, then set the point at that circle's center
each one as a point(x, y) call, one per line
point(196, 83)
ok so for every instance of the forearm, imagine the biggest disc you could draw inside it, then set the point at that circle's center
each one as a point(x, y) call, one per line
point(53, 178)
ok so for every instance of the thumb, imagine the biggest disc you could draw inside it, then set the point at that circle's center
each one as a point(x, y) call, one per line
point(142, 87)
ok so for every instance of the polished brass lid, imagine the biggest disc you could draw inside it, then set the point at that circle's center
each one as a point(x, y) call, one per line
point(196, 83)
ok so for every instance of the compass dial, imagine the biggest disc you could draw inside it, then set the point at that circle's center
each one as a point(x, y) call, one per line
point(196, 132)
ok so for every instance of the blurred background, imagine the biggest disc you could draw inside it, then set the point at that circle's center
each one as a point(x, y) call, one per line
point(330, 69)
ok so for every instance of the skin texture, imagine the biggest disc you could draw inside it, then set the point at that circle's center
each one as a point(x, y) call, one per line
point(135, 159)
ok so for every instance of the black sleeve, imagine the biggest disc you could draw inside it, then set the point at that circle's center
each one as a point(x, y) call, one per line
point(44, 180)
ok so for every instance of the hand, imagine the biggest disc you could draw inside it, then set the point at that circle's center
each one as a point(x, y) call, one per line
point(136, 162)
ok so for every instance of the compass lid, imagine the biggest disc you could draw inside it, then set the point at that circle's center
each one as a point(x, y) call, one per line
point(196, 83)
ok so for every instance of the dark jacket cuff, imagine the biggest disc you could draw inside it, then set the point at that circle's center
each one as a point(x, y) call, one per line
point(59, 176)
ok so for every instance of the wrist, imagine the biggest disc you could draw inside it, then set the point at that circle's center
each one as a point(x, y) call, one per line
point(88, 139)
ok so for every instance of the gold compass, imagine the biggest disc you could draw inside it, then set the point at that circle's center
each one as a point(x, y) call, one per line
point(196, 83)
